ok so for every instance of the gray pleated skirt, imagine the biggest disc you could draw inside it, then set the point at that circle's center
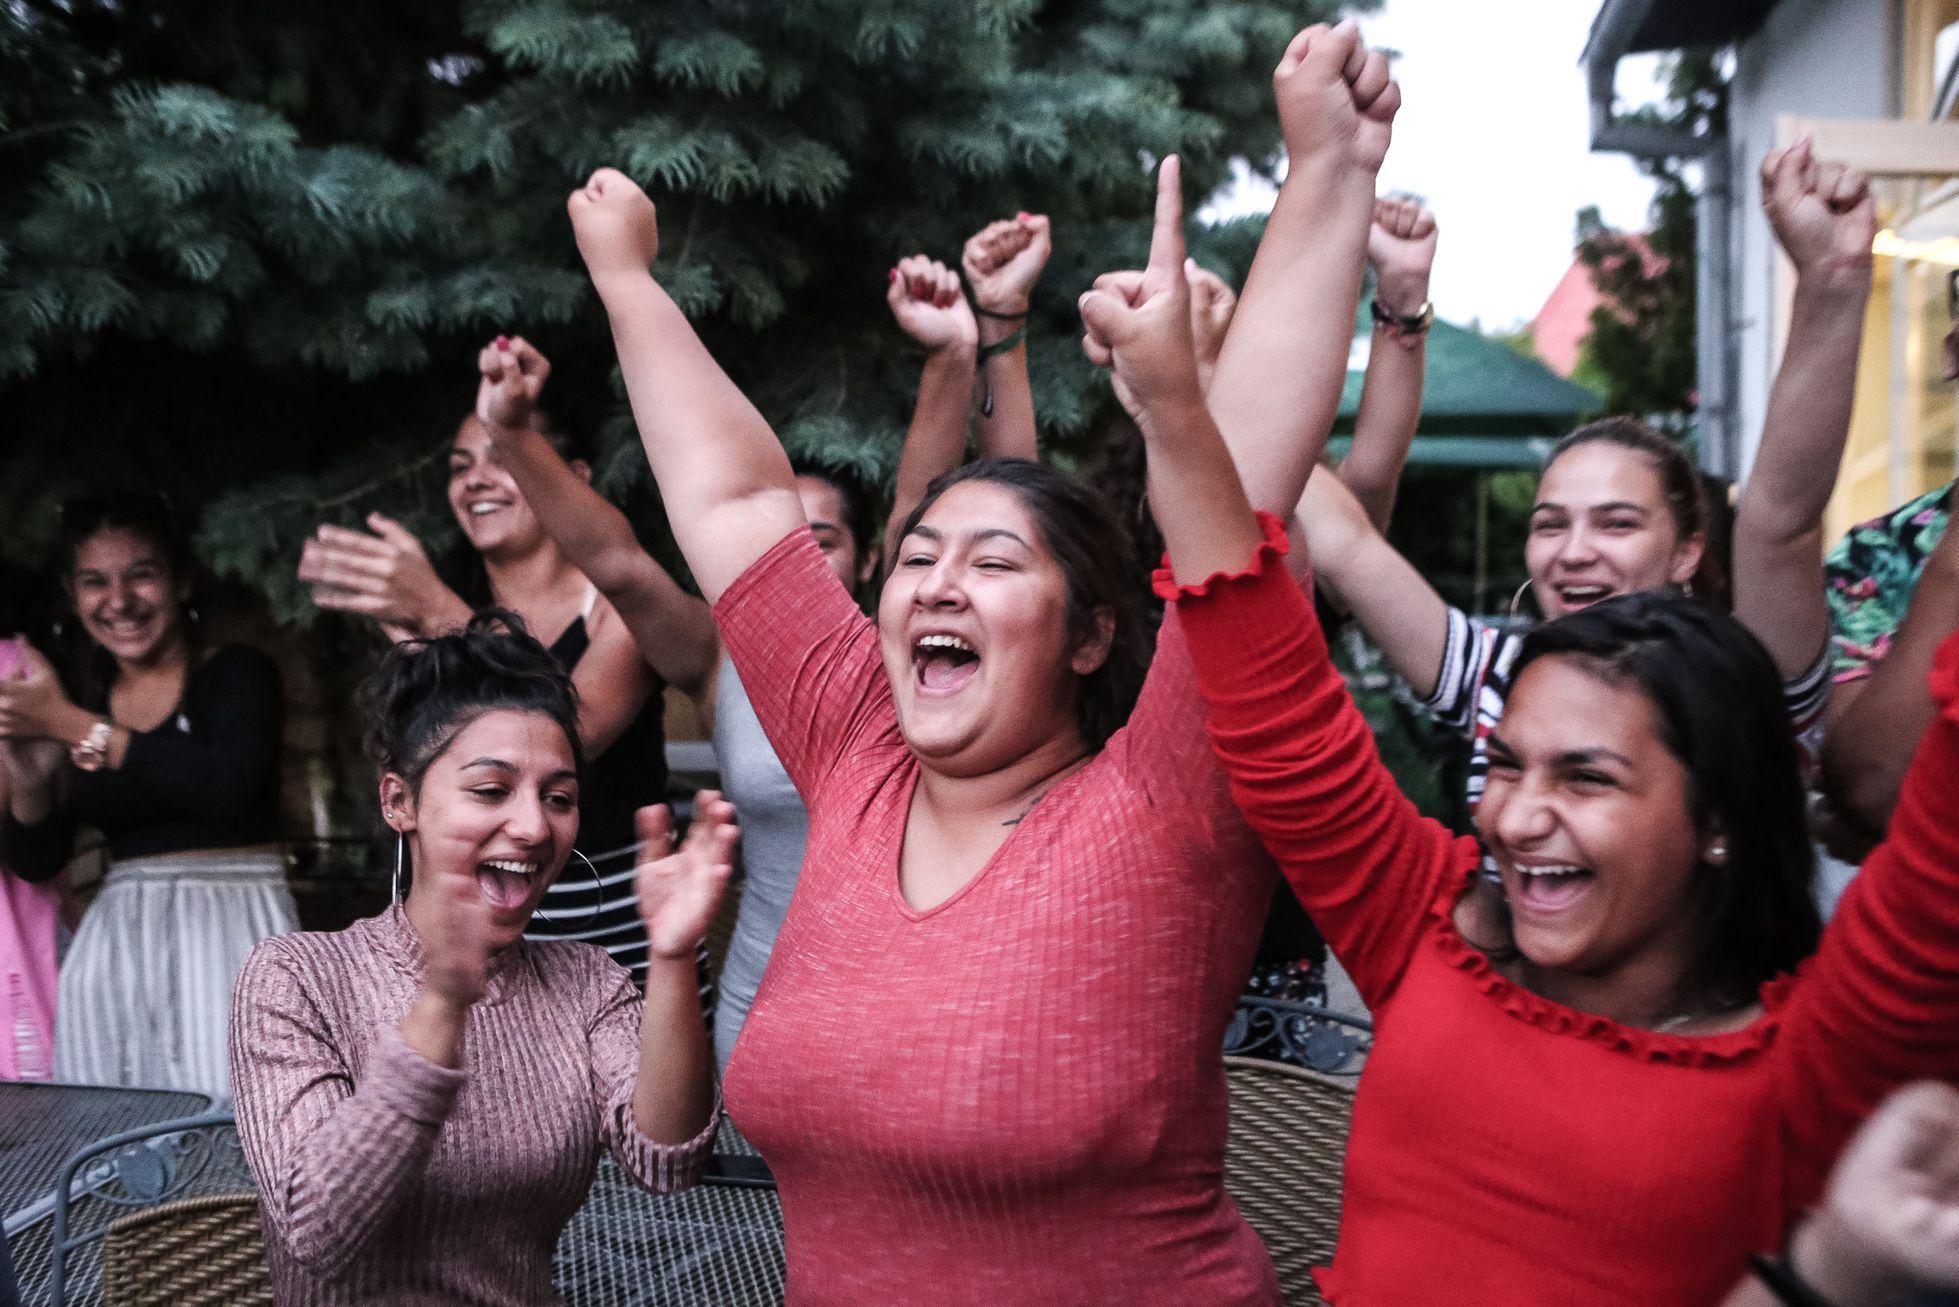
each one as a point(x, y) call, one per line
point(144, 996)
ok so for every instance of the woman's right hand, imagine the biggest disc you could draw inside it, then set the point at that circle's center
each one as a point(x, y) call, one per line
point(385, 575)
point(1138, 324)
point(514, 373)
point(456, 949)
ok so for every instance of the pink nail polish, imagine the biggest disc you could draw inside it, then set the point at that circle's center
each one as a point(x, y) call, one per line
point(1022, 216)
point(503, 342)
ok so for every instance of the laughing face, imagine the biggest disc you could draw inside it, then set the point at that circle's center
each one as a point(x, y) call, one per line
point(1601, 527)
point(487, 503)
point(501, 802)
point(127, 596)
point(1587, 814)
point(974, 627)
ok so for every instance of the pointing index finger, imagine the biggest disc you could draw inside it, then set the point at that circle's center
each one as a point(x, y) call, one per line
point(1167, 239)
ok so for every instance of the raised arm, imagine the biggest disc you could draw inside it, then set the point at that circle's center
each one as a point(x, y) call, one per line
point(1401, 248)
point(1875, 722)
point(928, 303)
point(674, 631)
point(1278, 378)
point(1002, 261)
point(1825, 218)
point(729, 490)
point(1301, 760)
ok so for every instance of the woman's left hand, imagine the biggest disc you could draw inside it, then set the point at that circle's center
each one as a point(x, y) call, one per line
point(32, 705)
point(679, 890)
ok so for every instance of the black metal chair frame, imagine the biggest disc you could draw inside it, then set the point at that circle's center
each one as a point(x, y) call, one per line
point(151, 1165)
point(1302, 1034)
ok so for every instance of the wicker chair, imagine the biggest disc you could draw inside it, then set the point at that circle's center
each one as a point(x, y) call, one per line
point(194, 1252)
point(1283, 1163)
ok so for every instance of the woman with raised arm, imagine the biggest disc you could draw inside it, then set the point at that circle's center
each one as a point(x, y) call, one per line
point(507, 559)
point(169, 746)
point(1618, 509)
point(1003, 855)
point(423, 1096)
point(1600, 1080)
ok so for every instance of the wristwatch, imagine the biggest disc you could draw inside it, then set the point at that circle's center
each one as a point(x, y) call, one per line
point(1404, 324)
point(91, 752)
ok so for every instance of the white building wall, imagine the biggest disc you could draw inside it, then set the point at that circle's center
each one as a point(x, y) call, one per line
point(1818, 59)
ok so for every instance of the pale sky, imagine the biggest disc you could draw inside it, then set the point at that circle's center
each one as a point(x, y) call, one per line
point(1492, 133)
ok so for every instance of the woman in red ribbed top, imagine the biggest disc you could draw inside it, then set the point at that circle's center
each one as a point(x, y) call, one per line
point(983, 1062)
point(1592, 1085)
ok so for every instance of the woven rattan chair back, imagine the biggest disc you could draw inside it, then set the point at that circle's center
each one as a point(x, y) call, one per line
point(195, 1252)
point(1283, 1163)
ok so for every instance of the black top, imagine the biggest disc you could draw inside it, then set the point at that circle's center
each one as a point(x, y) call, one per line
point(599, 904)
point(206, 778)
point(630, 774)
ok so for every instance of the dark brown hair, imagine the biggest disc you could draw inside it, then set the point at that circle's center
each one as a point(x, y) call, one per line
point(1680, 481)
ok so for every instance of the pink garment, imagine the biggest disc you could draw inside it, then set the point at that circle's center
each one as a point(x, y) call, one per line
point(1016, 1096)
point(30, 919)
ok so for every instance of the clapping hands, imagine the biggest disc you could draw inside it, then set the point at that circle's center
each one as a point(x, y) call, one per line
point(680, 889)
point(926, 299)
point(382, 573)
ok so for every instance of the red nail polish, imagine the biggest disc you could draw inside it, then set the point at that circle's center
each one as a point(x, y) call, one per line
point(1022, 216)
point(503, 342)
point(893, 274)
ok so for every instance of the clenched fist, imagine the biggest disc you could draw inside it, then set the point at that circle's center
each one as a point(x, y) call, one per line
point(1822, 213)
point(614, 222)
point(513, 375)
point(928, 303)
point(1336, 98)
point(1004, 260)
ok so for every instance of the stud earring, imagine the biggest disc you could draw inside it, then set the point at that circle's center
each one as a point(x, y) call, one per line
point(1717, 852)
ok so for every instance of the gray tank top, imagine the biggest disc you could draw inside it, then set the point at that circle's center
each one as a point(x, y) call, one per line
point(774, 829)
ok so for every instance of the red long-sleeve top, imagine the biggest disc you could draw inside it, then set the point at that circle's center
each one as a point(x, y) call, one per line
point(1507, 1149)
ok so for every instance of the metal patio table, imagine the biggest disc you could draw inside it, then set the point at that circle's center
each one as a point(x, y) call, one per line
point(41, 1125)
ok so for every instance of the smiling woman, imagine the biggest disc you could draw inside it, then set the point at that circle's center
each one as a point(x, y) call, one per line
point(378, 1177)
point(171, 749)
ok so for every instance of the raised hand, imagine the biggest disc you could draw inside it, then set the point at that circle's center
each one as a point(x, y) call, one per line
point(1823, 213)
point(513, 374)
point(614, 223)
point(1890, 1222)
point(1336, 98)
point(1212, 303)
point(1004, 259)
point(680, 889)
point(1401, 246)
point(925, 298)
point(385, 575)
point(1138, 323)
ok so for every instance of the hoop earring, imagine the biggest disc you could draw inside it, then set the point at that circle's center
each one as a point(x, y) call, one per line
point(598, 895)
point(394, 890)
point(1518, 598)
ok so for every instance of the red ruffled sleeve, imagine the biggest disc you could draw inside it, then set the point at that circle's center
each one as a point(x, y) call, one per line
point(1303, 767)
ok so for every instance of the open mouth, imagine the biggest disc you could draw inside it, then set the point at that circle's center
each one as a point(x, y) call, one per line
point(943, 664)
point(1583, 596)
point(125, 628)
point(483, 508)
point(505, 882)
point(1550, 889)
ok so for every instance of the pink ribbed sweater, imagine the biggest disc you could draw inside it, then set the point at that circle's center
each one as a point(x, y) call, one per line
point(1015, 1097)
point(385, 1178)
